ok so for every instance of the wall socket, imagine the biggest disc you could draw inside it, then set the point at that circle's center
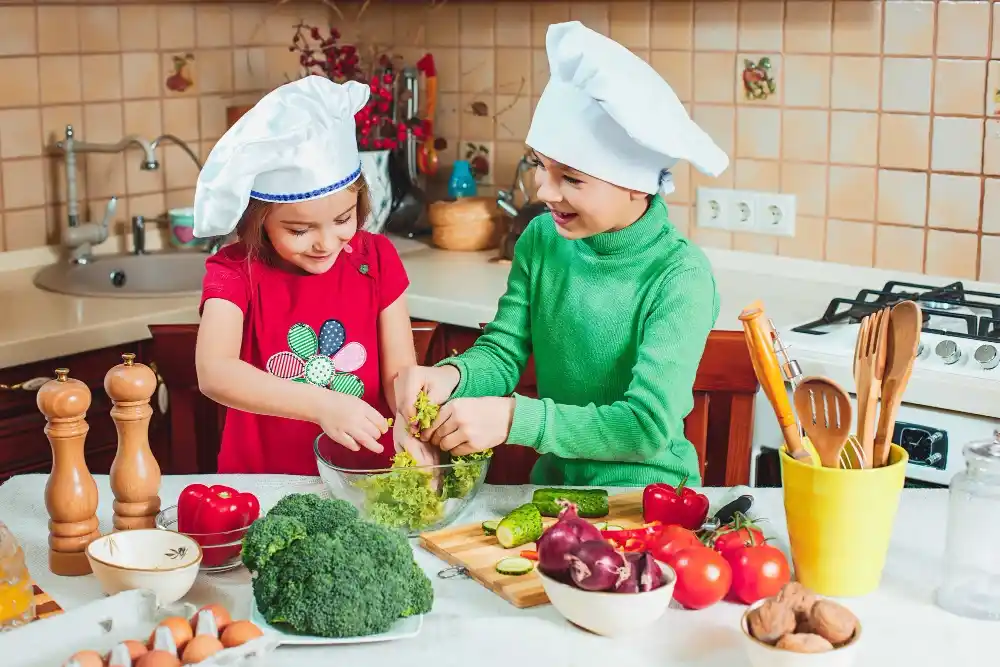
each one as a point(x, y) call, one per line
point(745, 211)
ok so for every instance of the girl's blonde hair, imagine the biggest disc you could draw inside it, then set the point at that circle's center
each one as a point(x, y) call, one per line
point(250, 228)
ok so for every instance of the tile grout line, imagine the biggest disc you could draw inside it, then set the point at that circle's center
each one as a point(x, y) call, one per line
point(883, 14)
point(930, 141)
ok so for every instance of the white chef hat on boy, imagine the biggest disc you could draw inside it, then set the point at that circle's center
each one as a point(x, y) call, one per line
point(605, 112)
point(297, 143)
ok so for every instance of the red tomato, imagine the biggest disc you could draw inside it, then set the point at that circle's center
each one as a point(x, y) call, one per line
point(758, 572)
point(738, 538)
point(703, 577)
point(671, 540)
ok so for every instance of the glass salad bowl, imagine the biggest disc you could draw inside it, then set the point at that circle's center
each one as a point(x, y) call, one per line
point(414, 499)
point(221, 552)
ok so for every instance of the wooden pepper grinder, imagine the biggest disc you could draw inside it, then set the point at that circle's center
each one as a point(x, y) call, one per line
point(70, 492)
point(135, 474)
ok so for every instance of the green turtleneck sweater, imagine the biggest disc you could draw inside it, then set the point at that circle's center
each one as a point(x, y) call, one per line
point(617, 324)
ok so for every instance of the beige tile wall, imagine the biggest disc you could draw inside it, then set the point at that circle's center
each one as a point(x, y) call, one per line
point(102, 68)
point(884, 124)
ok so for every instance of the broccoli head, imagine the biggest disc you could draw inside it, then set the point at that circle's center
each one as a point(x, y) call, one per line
point(332, 578)
point(268, 536)
point(320, 515)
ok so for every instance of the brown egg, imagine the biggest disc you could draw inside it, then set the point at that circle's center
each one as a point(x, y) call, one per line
point(222, 617)
point(87, 659)
point(135, 649)
point(179, 628)
point(158, 659)
point(201, 648)
point(240, 632)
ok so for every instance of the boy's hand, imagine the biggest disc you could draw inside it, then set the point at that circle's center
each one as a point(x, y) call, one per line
point(351, 422)
point(468, 425)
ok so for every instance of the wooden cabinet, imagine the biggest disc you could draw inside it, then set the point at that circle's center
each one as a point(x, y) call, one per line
point(23, 445)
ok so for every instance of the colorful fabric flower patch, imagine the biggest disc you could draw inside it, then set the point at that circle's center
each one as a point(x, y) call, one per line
point(321, 359)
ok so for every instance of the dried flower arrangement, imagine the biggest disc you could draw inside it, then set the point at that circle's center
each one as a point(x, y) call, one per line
point(323, 54)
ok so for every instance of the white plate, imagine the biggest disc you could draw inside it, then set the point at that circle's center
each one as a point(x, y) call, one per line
point(404, 628)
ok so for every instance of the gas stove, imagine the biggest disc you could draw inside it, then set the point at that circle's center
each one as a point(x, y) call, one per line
point(953, 396)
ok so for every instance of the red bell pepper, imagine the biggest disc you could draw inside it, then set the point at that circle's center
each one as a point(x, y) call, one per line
point(633, 539)
point(680, 505)
point(530, 554)
point(216, 515)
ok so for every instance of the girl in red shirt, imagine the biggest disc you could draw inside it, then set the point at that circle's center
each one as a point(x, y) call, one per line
point(303, 321)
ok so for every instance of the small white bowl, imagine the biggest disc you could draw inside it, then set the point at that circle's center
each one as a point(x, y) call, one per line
point(162, 561)
point(765, 655)
point(611, 614)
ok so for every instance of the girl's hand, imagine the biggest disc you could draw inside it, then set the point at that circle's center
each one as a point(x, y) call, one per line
point(351, 422)
point(438, 381)
point(424, 453)
point(467, 425)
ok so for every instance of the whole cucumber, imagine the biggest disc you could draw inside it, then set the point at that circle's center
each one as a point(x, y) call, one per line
point(590, 503)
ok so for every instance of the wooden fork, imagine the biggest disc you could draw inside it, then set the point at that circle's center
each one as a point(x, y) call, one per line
point(869, 366)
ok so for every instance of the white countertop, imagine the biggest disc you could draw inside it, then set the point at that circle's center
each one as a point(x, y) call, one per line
point(451, 287)
point(471, 625)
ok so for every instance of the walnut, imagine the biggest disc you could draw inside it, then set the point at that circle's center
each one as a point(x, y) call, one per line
point(832, 621)
point(804, 643)
point(798, 597)
point(770, 621)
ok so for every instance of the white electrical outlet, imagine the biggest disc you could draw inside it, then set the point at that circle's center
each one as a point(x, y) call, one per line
point(712, 208)
point(775, 214)
point(744, 211)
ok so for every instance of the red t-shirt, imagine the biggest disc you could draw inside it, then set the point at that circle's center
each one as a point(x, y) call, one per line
point(321, 329)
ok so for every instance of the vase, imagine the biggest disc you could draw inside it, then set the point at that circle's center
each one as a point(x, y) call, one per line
point(462, 183)
point(375, 167)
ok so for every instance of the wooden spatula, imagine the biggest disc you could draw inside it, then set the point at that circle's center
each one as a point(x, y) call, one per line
point(824, 410)
point(905, 323)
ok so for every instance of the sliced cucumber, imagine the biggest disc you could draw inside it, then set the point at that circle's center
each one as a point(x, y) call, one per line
point(604, 525)
point(515, 565)
point(490, 527)
point(522, 525)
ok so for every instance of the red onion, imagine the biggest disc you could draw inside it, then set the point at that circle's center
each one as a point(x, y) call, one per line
point(650, 577)
point(630, 583)
point(597, 566)
point(562, 537)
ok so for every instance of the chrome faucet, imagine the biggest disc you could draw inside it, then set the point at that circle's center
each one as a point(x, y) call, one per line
point(80, 237)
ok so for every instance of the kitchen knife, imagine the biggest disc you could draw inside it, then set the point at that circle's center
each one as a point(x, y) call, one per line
point(742, 503)
point(768, 370)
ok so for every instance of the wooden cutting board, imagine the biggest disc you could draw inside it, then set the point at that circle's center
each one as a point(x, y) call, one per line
point(466, 546)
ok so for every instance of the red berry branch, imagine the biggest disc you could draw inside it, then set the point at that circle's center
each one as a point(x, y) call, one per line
point(323, 55)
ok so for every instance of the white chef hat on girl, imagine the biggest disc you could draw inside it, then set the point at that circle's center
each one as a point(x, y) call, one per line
point(605, 112)
point(297, 143)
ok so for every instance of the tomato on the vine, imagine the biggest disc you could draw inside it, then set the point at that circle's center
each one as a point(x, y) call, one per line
point(736, 534)
point(759, 571)
point(703, 577)
point(672, 539)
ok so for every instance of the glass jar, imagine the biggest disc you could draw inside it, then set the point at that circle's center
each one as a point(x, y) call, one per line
point(971, 584)
point(17, 598)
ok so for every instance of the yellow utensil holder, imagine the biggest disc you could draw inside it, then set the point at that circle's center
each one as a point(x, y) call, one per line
point(840, 522)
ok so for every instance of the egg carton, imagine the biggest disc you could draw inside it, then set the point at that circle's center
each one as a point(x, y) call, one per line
point(103, 624)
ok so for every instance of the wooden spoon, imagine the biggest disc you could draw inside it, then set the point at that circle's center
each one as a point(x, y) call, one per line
point(903, 340)
point(824, 410)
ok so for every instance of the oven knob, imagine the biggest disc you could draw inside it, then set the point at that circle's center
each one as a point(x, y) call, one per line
point(949, 351)
point(987, 356)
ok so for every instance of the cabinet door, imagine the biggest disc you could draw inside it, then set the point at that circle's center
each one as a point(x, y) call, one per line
point(24, 445)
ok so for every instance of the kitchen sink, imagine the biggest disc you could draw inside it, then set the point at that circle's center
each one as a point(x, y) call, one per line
point(156, 274)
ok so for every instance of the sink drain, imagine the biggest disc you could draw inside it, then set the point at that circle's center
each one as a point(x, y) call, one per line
point(118, 278)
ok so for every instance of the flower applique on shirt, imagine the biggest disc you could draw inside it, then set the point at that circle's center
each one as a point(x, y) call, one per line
point(323, 360)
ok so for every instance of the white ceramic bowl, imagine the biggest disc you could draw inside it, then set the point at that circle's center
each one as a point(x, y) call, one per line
point(611, 614)
point(162, 561)
point(765, 655)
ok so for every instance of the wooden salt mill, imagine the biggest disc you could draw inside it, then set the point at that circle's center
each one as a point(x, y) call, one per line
point(70, 492)
point(135, 474)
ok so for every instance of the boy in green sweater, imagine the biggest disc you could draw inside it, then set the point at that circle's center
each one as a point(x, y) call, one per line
point(614, 304)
